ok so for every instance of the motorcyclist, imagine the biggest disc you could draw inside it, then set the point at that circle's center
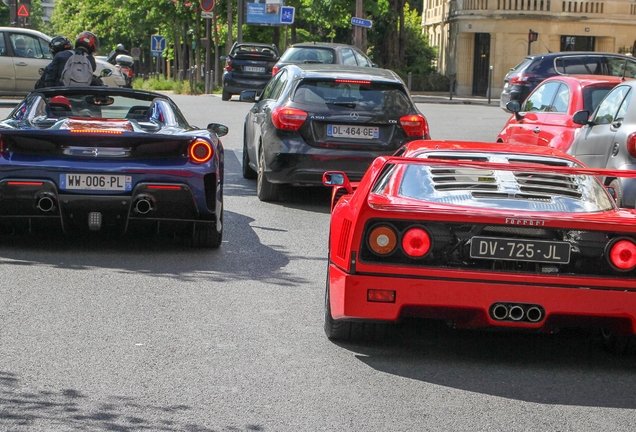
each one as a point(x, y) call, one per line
point(119, 49)
point(85, 42)
point(57, 45)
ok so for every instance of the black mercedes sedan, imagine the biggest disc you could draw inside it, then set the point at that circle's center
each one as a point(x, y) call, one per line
point(311, 118)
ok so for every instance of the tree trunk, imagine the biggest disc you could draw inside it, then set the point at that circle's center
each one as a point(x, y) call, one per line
point(230, 42)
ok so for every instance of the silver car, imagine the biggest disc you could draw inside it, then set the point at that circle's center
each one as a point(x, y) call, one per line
point(608, 139)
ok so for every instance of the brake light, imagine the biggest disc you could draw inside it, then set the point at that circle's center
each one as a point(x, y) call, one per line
point(521, 79)
point(350, 81)
point(631, 144)
point(378, 295)
point(288, 118)
point(622, 254)
point(274, 70)
point(416, 242)
point(201, 151)
point(382, 240)
point(228, 65)
point(414, 125)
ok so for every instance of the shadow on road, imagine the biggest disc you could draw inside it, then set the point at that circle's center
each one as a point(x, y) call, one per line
point(566, 368)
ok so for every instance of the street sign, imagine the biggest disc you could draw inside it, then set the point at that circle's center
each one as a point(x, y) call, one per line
point(157, 45)
point(135, 52)
point(361, 22)
point(23, 11)
point(207, 15)
point(287, 14)
point(207, 5)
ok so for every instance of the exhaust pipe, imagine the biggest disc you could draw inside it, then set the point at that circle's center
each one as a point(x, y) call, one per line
point(534, 314)
point(45, 203)
point(144, 204)
point(500, 312)
point(516, 313)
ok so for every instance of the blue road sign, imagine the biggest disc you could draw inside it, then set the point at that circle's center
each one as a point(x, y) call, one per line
point(361, 22)
point(157, 44)
point(287, 15)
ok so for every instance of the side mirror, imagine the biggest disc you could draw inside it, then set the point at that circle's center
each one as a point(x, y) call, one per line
point(248, 96)
point(582, 118)
point(611, 191)
point(219, 129)
point(223, 58)
point(515, 107)
point(105, 73)
point(337, 178)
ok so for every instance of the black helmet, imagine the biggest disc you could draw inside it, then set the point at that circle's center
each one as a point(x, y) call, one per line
point(60, 43)
point(120, 47)
point(88, 41)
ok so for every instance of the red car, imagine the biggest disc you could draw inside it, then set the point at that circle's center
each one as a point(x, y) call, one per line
point(479, 235)
point(545, 117)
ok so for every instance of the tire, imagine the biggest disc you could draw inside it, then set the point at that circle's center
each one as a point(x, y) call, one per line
point(351, 330)
point(618, 191)
point(206, 236)
point(248, 172)
point(265, 190)
point(226, 96)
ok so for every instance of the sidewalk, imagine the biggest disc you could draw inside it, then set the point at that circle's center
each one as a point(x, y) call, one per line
point(445, 98)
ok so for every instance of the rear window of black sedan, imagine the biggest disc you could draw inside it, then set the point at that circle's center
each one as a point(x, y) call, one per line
point(358, 94)
point(250, 51)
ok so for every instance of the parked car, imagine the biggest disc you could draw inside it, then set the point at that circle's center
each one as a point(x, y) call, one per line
point(315, 117)
point(480, 236)
point(113, 160)
point(608, 140)
point(248, 67)
point(323, 52)
point(545, 117)
point(22, 53)
point(532, 70)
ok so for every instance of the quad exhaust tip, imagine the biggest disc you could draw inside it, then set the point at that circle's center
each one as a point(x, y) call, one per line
point(517, 312)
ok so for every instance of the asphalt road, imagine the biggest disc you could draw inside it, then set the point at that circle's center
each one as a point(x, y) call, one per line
point(103, 334)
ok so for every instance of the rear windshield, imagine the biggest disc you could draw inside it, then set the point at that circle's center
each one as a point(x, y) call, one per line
point(253, 51)
point(370, 96)
point(308, 55)
point(592, 96)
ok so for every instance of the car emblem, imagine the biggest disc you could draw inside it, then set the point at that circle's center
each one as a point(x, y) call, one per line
point(526, 222)
point(354, 116)
point(95, 152)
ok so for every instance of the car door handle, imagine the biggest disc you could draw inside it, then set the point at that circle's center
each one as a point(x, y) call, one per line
point(536, 130)
point(21, 64)
point(615, 149)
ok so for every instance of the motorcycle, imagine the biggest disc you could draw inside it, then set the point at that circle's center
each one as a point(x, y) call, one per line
point(124, 63)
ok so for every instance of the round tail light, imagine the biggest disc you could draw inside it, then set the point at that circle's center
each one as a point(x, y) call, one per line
point(416, 242)
point(382, 240)
point(201, 151)
point(622, 254)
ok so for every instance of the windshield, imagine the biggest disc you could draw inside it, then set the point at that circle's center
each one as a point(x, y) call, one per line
point(308, 55)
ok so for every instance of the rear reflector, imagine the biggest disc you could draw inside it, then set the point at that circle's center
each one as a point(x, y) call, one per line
point(24, 183)
point(378, 295)
point(163, 187)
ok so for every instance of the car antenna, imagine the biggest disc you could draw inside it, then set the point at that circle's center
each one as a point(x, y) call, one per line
point(624, 71)
point(546, 47)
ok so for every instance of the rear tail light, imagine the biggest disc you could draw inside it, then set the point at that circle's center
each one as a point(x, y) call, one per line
point(631, 144)
point(201, 151)
point(414, 125)
point(416, 242)
point(275, 69)
point(622, 254)
point(378, 295)
point(382, 240)
point(228, 65)
point(288, 118)
point(521, 79)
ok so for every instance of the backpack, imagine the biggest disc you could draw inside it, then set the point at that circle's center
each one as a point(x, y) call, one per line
point(77, 71)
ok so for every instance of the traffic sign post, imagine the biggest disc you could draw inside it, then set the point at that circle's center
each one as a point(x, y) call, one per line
point(361, 22)
point(157, 45)
point(287, 14)
point(207, 5)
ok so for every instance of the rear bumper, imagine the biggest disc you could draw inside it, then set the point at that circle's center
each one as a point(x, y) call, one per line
point(470, 303)
point(235, 84)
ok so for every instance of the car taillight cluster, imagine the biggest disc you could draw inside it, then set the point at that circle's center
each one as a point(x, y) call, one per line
point(414, 125)
point(288, 118)
point(415, 240)
point(201, 151)
point(228, 65)
point(622, 254)
point(631, 144)
point(274, 70)
point(521, 79)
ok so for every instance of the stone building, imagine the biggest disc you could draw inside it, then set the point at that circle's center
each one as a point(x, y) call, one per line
point(480, 40)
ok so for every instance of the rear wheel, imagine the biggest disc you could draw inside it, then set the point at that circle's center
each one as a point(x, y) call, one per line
point(265, 190)
point(351, 330)
point(618, 192)
point(206, 236)
point(248, 172)
point(226, 96)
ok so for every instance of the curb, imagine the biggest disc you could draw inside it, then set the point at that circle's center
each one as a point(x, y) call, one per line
point(454, 101)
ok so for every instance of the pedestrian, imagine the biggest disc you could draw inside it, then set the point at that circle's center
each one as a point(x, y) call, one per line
point(57, 45)
point(87, 44)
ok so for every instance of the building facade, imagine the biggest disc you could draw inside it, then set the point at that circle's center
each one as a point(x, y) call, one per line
point(480, 40)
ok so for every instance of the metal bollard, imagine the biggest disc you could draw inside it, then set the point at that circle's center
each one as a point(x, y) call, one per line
point(408, 80)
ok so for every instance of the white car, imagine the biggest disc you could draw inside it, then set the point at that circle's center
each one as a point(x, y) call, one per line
point(115, 79)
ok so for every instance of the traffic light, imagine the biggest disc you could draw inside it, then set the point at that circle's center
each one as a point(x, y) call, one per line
point(532, 36)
